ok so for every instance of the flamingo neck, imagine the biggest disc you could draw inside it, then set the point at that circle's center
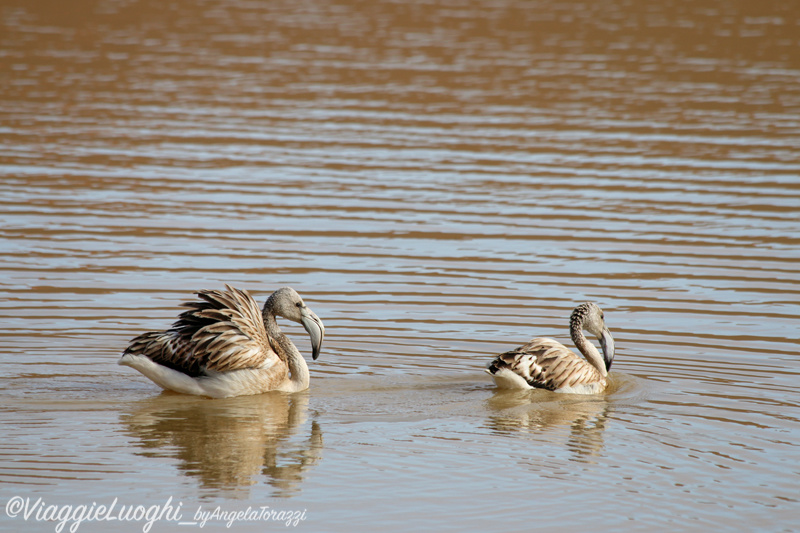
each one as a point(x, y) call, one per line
point(587, 348)
point(288, 353)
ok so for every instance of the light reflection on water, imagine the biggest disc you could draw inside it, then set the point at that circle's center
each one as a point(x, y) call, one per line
point(228, 445)
point(440, 182)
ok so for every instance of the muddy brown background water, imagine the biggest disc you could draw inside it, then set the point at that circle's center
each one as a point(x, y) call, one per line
point(441, 180)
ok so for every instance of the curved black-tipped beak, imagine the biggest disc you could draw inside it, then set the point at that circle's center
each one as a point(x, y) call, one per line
point(607, 343)
point(313, 325)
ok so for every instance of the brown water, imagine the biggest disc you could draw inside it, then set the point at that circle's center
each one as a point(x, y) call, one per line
point(441, 180)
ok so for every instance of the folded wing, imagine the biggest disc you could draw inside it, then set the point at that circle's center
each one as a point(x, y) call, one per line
point(546, 364)
point(221, 332)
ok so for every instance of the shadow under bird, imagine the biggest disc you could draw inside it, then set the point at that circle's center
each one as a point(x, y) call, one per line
point(547, 364)
point(224, 345)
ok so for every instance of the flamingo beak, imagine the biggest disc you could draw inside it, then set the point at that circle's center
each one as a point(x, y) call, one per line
point(313, 325)
point(607, 343)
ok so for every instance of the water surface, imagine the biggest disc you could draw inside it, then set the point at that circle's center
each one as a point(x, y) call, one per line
point(441, 181)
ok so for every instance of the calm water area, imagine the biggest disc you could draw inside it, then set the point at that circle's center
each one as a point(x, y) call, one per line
point(441, 180)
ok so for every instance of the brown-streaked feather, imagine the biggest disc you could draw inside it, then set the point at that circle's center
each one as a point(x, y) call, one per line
point(224, 331)
point(547, 364)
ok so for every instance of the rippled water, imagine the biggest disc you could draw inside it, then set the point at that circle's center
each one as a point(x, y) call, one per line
point(441, 181)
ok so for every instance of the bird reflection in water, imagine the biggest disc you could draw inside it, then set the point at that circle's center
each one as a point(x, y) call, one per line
point(513, 411)
point(226, 444)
